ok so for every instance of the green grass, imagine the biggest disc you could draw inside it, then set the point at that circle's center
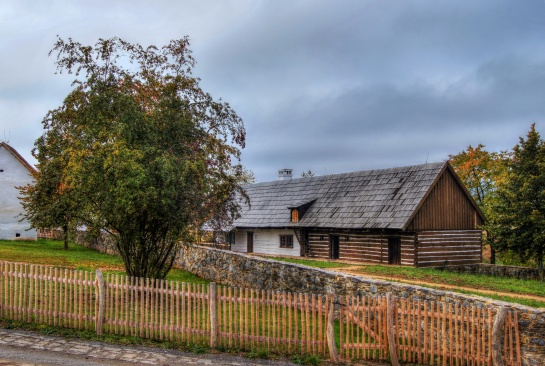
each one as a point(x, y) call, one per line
point(51, 253)
point(475, 282)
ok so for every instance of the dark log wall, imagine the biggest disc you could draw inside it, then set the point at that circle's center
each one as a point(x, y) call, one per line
point(407, 249)
point(433, 248)
point(367, 247)
point(361, 246)
point(437, 248)
point(446, 208)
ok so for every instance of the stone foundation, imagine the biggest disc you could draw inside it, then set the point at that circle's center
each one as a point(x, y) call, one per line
point(246, 271)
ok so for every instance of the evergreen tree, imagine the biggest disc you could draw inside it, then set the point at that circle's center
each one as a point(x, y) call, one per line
point(519, 221)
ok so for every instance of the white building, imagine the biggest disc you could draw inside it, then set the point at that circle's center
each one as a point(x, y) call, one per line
point(15, 171)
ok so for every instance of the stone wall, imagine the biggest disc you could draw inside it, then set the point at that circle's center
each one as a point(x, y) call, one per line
point(102, 243)
point(524, 273)
point(242, 270)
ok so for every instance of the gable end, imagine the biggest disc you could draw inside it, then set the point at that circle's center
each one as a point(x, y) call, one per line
point(447, 206)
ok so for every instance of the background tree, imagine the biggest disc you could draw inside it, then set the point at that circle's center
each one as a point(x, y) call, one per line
point(307, 174)
point(482, 172)
point(147, 153)
point(49, 203)
point(519, 221)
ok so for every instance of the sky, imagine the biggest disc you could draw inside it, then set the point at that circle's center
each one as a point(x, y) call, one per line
point(326, 86)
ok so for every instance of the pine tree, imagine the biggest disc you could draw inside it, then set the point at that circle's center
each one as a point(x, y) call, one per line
point(519, 223)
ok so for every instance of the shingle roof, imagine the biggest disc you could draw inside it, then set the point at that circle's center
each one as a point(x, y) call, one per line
point(372, 199)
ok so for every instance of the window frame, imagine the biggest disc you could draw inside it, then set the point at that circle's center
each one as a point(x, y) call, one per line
point(294, 215)
point(288, 243)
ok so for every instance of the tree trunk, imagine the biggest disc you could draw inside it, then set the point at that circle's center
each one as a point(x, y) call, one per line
point(65, 236)
point(492, 255)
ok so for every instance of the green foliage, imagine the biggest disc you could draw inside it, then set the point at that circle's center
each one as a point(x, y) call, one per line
point(519, 222)
point(260, 353)
point(141, 152)
point(199, 349)
point(482, 172)
point(49, 203)
point(312, 360)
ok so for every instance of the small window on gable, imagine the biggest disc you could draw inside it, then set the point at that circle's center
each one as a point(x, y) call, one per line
point(294, 215)
point(1, 170)
point(17, 235)
point(286, 241)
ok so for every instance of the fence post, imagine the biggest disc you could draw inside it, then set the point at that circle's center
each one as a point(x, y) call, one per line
point(101, 301)
point(212, 312)
point(390, 326)
point(333, 354)
point(497, 337)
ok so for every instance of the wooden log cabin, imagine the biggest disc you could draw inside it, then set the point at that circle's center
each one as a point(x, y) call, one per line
point(418, 215)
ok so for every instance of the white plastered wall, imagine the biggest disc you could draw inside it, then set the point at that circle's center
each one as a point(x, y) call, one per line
point(266, 241)
point(14, 174)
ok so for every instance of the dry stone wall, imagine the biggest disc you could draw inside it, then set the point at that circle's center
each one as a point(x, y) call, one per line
point(242, 270)
point(102, 243)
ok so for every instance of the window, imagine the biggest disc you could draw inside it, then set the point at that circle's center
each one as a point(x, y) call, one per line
point(17, 235)
point(286, 241)
point(294, 215)
point(230, 237)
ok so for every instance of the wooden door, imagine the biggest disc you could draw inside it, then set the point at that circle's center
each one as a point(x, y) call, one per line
point(334, 247)
point(250, 242)
point(394, 250)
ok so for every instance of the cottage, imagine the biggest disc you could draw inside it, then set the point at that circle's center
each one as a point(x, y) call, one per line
point(418, 215)
point(15, 171)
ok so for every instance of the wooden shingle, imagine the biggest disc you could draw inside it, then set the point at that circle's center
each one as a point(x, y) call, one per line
point(372, 199)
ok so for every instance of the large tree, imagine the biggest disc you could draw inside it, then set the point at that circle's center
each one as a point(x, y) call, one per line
point(519, 221)
point(148, 155)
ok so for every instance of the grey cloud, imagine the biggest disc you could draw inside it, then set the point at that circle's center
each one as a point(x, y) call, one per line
point(321, 85)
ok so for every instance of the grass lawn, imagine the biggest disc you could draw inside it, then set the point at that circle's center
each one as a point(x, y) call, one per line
point(51, 252)
point(472, 282)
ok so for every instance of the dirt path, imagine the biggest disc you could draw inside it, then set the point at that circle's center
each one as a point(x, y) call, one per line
point(356, 270)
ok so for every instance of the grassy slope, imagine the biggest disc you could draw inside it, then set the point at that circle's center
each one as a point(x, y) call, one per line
point(50, 252)
point(475, 282)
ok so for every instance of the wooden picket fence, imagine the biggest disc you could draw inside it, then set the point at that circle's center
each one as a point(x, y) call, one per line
point(425, 332)
point(373, 327)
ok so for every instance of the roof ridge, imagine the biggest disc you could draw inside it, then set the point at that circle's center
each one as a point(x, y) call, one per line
point(18, 157)
point(317, 177)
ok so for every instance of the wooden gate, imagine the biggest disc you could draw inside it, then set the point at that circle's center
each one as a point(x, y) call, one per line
point(425, 332)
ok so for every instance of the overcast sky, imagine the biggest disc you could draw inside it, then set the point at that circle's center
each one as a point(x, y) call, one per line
point(327, 86)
